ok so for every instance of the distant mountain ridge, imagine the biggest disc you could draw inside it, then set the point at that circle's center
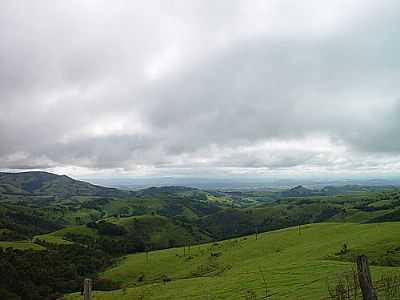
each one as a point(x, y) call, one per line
point(45, 183)
point(165, 189)
point(299, 191)
point(38, 182)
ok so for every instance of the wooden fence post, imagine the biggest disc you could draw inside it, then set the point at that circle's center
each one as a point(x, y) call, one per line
point(87, 289)
point(256, 232)
point(364, 277)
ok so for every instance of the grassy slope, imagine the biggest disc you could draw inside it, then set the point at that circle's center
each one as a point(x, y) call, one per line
point(295, 266)
point(21, 245)
point(57, 237)
point(160, 231)
point(357, 216)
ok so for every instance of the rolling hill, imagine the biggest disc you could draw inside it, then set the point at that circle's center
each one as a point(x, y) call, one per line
point(47, 216)
point(156, 232)
point(287, 264)
point(43, 183)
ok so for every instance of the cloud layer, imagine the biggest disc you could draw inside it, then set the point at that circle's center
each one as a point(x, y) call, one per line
point(200, 87)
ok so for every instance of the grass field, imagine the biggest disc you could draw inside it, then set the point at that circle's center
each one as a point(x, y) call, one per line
point(294, 266)
point(57, 237)
point(21, 245)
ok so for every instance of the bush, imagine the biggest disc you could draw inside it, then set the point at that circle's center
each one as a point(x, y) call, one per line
point(106, 228)
point(102, 284)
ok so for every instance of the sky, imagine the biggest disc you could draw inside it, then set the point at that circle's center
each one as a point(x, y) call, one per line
point(200, 88)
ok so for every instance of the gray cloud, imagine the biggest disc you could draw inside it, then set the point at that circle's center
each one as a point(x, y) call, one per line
point(182, 86)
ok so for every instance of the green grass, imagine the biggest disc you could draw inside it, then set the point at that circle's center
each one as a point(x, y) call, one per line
point(21, 245)
point(220, 199)
point(126, 221)
point(57, 237)
point(381, 203)
point(295, 266)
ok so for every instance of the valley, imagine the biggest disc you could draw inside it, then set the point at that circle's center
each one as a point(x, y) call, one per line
point(185, 243)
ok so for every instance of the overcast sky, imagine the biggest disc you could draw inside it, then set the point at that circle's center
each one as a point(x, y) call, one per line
point(200, 88)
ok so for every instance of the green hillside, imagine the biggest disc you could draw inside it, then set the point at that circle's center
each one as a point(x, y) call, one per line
point(161, 232)
point(20, 222)
point(156, 232)
point(60, 236)
point(49, 184)
point(295, 266)
point(20, 245)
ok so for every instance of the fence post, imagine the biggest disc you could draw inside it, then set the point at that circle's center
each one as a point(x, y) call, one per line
point(364, 277)
point(87, 289)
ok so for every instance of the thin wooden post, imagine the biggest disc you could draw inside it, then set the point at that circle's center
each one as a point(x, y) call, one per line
point(364, 277)
point(87, 289)
point(256, 232)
